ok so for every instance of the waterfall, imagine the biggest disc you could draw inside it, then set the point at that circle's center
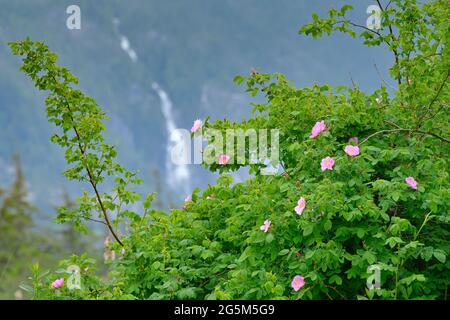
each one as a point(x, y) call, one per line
point(125, 43)
point(178, 176)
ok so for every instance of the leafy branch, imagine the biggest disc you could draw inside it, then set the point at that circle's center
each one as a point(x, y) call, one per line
point(337, 21)
point(80, 123)
point(93, 182)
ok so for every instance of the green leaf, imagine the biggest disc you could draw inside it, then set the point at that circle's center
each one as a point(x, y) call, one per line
point(238, 79)
point(393, 241)
point(284, 187)
point(156, 265)
point(207, 254)
point(440, 255)
point(395, 196)
point(187, 294)
point(269, 238)
point(308, 230)
point(360, 233)
point(327, 225)
point(245, 254)
point(335, 279)
point(26, 288)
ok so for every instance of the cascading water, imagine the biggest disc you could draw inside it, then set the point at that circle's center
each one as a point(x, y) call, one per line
point(178, 176)
point(125, 43)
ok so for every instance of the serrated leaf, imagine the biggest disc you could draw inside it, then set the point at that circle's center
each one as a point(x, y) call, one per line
point(308, 230)
point(440, 255)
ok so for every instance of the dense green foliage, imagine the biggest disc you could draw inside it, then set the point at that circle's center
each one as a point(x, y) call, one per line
point(362, 212)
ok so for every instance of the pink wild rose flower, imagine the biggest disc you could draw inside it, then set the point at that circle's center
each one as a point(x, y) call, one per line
point(298, 282)
point(411, 182)
point(265, 227)
point(318, 128)
point(300, 206)
point(352, 151)
point(57, 283)
point(187, 200)
point(223, 159)
point(196, 126)
point(327, 163)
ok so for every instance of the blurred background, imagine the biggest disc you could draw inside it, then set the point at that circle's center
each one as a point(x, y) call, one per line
point(149, 64)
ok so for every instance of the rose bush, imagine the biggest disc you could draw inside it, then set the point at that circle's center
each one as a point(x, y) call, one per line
point(365, 183)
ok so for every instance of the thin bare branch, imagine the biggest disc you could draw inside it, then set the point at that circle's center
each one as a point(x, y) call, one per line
point(406, 130)
point(381, 77)
point(336, 290)
point(436, 96)
point(379, 4)
point(387, 6)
